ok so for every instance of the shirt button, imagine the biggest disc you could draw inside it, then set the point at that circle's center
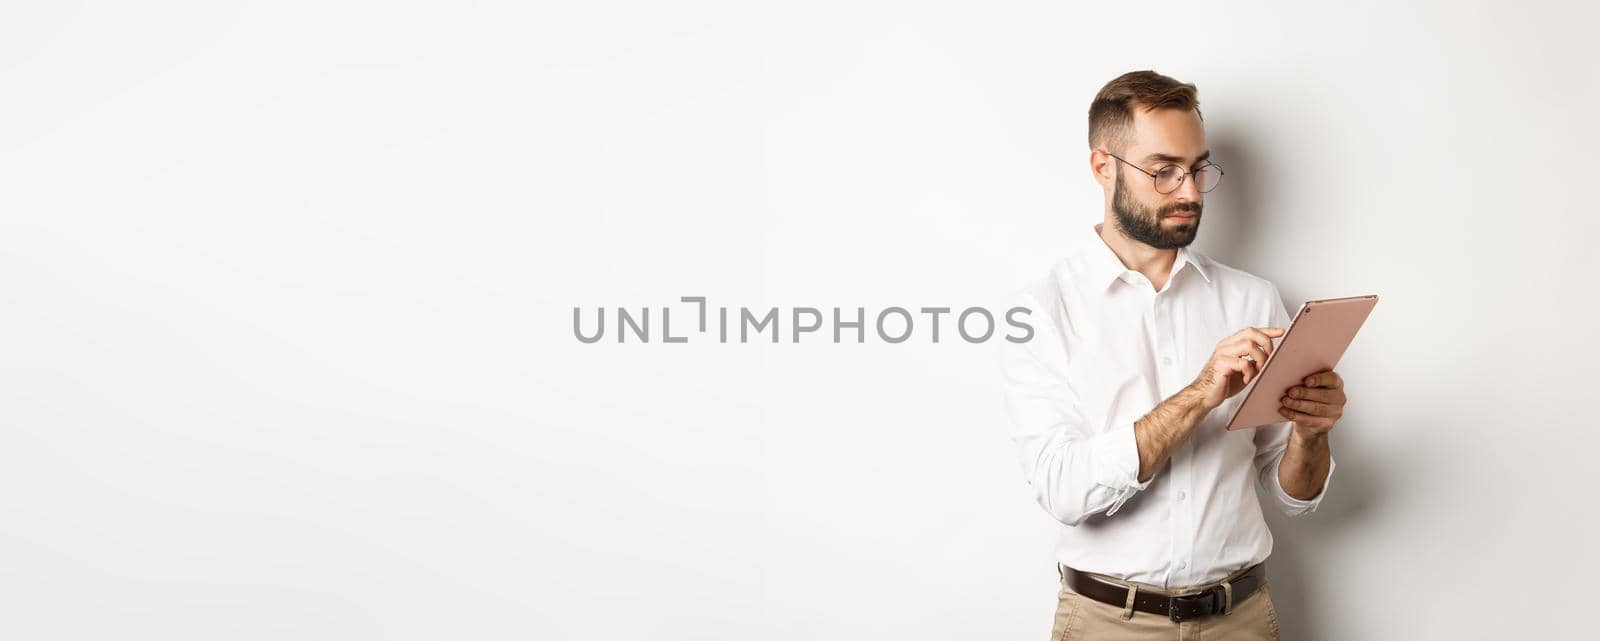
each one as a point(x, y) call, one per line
point(1181, 495)
point(1181, 565)
point(1166, 360)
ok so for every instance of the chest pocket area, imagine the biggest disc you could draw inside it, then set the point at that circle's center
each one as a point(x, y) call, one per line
point(1106, 365)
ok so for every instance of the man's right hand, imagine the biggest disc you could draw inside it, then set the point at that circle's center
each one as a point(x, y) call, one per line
point(1225, 374)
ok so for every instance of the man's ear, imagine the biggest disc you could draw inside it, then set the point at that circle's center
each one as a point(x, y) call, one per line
point(1104, 168)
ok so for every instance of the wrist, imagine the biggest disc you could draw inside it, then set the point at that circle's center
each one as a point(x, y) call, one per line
point(1305, 436)
point(1194, 401)
point(1194, 397)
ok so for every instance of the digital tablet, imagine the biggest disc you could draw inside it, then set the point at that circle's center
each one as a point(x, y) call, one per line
point(1317, 337)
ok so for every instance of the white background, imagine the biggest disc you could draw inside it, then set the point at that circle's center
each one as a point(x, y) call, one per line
point(288, 288)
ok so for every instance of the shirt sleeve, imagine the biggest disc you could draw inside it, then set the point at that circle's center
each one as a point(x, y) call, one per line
point(1075, 471)
point(1273, 440)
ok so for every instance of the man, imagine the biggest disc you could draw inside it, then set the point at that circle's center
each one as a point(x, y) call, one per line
point(1118, 403)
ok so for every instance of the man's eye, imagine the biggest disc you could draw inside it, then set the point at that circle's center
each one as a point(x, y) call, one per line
point(1168, 171)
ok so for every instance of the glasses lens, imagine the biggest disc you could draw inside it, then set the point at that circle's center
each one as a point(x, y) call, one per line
point(1167, 178)
point(1207, 178)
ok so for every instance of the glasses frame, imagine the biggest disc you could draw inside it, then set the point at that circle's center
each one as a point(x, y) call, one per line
point(1184, 175)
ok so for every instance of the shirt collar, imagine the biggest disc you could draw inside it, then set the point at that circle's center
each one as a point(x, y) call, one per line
point(1105, 267)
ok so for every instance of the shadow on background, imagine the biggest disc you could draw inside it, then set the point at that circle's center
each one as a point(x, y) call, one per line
point(1233, 236)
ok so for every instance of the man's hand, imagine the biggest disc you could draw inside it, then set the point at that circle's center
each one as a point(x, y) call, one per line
point(1226, 373)
point(1315, 405)
point(1165, 427)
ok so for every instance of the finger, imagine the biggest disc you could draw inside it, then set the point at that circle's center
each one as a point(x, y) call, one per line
point(1320, 394)
point(1325, 378)
point(1245, 344)
point(1324, 410)
point(1260, 338)
point(1235, 354)
point(1266, 333)
point(1231, 364)
point(1305, 419)
point(1251, 369)
point(1262, 350)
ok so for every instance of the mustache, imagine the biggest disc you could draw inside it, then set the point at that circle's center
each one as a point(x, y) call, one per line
point(1181, 208)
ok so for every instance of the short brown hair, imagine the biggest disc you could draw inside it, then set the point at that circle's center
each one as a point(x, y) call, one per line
point(1111, 113)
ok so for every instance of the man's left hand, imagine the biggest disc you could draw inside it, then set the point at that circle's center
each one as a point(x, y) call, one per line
point(1316, 404)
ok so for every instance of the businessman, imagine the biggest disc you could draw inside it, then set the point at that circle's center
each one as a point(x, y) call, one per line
point(1117, 405)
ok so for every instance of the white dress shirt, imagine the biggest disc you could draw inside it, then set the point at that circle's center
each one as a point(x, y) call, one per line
point(1107, 349)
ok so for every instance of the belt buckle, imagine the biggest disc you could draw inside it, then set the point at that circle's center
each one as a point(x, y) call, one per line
point(1212, 598)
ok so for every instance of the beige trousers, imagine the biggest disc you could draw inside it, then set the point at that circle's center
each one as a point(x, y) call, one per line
point(1080, 617)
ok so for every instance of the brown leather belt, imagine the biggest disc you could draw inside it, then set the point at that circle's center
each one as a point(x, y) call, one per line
point(1182, 607)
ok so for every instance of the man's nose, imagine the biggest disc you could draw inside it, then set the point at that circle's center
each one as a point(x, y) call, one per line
point(1187, 190)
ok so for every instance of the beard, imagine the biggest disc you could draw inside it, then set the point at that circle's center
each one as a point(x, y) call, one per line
point(1140, 224)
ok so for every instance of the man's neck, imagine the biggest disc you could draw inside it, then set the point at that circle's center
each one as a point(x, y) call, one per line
point(1155, 264)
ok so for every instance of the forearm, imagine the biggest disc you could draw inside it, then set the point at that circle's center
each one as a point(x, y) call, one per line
point(1165, 427)
point(1304, 469)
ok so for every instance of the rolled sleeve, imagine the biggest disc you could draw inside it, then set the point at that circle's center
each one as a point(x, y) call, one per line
point(1116, 464)
point(1291, 505)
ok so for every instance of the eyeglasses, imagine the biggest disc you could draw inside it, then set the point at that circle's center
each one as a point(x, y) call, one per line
point(1169, 177)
